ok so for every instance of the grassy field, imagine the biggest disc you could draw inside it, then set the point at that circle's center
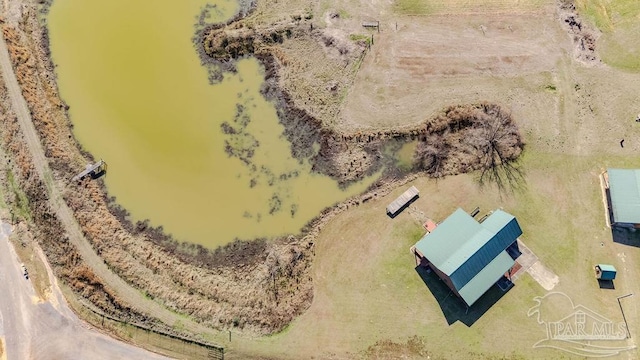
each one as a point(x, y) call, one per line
point(607, 15)
point(430, 7)
point(370, 301)
point(369, 294)
point(619, 20)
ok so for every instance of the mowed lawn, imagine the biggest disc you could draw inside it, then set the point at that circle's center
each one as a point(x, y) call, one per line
point(435, 7)
point(368, 291)
point(370, 302)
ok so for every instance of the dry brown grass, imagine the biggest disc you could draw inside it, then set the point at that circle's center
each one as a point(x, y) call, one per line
point(26, 250)
point(42, 223)
point(171, 347)
point(259, 293)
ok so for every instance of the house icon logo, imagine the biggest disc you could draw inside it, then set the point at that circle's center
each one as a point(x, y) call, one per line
point(577, 329)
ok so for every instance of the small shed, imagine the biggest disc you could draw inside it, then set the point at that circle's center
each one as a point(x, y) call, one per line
point(605, 272)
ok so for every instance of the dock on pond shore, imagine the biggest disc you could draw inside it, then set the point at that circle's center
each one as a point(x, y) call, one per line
point(91, 169)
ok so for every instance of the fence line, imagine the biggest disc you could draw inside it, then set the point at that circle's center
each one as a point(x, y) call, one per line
point(215, 352)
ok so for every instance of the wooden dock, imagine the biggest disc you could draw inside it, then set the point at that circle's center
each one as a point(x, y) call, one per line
point(91, 169)
point(402, 201)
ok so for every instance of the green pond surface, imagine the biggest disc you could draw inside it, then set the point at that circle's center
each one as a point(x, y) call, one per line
point(140, 99)
point(404, 156)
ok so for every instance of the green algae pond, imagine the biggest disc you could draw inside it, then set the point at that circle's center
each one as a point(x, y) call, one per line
point(208, 162)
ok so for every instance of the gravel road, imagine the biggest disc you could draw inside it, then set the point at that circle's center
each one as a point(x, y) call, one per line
point(33, 329)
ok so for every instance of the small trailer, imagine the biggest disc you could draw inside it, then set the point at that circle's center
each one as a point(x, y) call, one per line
point(605, 272)
point(402, 201)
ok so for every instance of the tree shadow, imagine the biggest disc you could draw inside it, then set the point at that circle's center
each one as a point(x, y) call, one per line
point(453, 308)
point(506, 175)
point(625, 236)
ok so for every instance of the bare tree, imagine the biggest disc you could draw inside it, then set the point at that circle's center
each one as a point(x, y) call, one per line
point(498, 145)
point(472, 137)
point(432, 155)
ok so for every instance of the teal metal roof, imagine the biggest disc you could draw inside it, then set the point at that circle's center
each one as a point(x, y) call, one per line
point(462, 248)
point(486, 278)
point(504, 231)
point(442, 244)
point(624, 190)
point(605, 267)
point(497, 221)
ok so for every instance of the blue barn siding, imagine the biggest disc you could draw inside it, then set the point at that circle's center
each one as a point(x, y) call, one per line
point(608, 275)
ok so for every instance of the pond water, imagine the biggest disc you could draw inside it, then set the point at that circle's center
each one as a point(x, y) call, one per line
point(405, 160)
point(207, 162)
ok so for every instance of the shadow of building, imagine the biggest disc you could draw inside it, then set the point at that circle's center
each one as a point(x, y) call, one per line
point(454, 308)
point(606, 284)
point(625, 235)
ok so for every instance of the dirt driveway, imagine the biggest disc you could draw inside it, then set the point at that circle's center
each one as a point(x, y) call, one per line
point(33, 329)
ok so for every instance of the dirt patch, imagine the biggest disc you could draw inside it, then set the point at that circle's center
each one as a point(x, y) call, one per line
point(416, 69)
point(583, 35)
point(543, 276)
point(413, 348)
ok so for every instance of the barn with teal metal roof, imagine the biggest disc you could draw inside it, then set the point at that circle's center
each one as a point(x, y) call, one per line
point(624, 196)
point(470, 256)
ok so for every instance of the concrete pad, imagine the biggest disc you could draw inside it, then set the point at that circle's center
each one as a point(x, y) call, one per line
point(543, 276)
point(532, 265)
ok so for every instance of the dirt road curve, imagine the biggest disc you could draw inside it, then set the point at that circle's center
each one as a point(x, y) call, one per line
point(127, 293)
point(48, 330)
